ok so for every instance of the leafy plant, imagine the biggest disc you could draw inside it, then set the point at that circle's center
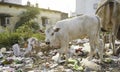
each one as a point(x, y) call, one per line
point(8, 39)
point(25, 28)
point(30, 14)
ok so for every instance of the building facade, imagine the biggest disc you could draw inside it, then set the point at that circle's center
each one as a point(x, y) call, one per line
point(12, 1)
point(86, 6)
point(10, 14)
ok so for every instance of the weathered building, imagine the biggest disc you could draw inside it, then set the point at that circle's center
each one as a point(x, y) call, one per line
point(86, 6)
point(10, 14)
point(48, 16)
point(12, 1)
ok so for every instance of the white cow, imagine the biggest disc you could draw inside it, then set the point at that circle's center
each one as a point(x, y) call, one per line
point(73, 28)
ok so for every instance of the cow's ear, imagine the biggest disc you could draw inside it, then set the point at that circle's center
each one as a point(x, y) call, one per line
point(56, 29)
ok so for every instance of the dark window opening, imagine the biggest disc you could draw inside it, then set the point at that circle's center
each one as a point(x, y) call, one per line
point(44, 21)
point(4, 21)
point(7, 20)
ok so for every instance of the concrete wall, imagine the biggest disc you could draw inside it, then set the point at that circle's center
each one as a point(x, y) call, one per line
point(86, 6)
point(15, 10)
point(52, 17)
point(13, 1)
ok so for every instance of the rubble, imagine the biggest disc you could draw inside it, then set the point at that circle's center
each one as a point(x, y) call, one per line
point(91, 65)
point(16, 50)
point(3, 50)
point(74, 64)
point(56, 57)
point(50, 62)
point(109, 52)
point(1, 55)
point(108, 60)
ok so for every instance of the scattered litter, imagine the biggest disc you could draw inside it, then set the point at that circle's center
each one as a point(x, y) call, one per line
point(109, 52)
point(86, 47)
point(90, 65)
point(3, 50)
point(74, 63)
point(108, 60)
point(1, 55)
point(56, 58)
point(16, 50)
point(11, 61)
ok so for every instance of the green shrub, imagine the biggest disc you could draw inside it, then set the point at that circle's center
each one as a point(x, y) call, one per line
point(39, 36)
point(8, 39)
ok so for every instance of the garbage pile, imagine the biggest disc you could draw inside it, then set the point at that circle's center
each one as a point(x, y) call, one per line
point(48, 60)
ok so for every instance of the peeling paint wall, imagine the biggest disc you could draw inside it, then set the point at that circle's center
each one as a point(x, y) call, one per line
point(13, 1)
point(15, 10)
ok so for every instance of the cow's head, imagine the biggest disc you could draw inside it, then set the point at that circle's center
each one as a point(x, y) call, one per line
point(52, 37)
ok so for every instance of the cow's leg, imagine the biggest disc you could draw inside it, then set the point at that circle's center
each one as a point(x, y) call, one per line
point(113, 43)
point(100, 48)
point(114, 32)
point(110, 40)
point(92, 46)
point(99, 43)
point(64, 49)
point(103, 37)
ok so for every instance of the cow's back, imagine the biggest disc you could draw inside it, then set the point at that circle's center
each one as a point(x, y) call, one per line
point(77, 26)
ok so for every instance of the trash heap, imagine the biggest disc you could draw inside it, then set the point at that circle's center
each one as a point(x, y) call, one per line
point(49, 61)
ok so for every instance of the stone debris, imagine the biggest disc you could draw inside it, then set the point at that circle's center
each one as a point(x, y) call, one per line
point(68, 70)
point(109, 52)
point(75, 50)
point(16, 50)
point(90, 64)
point(74, 64)
point(1, 55)
point(49, 60)
point(3, 50)
point(56, 58)
point(108, 60)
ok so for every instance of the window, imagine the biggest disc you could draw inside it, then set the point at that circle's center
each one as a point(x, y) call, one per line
point(4, 21)
point(44, 21)
point(7, 20)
